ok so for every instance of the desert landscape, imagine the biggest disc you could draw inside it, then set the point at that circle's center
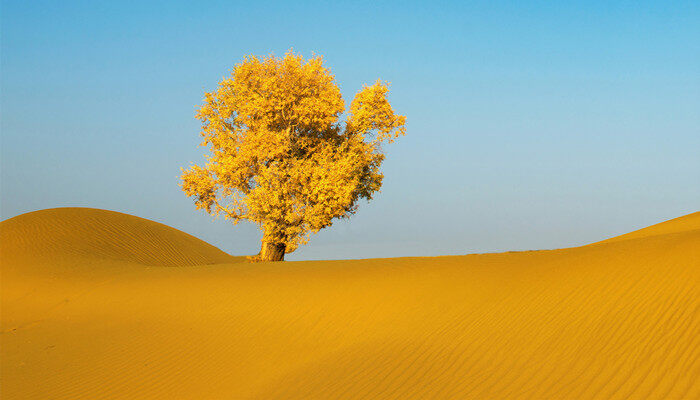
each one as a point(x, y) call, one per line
point(99, 304)
point(395, 200)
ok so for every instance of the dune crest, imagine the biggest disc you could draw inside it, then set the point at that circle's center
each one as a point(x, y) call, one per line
point(619, 319)
point(682, 224)
point(65, 233)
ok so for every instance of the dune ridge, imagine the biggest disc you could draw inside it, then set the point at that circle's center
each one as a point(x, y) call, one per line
point(618, 319)
point(682, 224)
point(61, 233)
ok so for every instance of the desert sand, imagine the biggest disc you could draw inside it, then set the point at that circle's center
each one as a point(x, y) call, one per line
point(102, 305)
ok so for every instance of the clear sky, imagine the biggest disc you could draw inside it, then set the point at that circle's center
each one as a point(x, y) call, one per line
point(531, 125)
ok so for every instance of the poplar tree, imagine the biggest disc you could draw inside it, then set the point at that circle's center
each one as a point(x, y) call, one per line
point(281, 157)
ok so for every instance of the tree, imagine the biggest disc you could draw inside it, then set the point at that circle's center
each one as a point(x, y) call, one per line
point(280, 155)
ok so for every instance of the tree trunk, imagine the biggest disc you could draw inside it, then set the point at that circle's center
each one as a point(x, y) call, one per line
point(271, 251)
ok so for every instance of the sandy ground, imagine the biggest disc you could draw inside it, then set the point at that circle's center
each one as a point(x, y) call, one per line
point(101, 305)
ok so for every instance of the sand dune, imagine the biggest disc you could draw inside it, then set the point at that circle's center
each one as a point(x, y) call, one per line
point(89, 312)
point(66, 233)
point(677, 225)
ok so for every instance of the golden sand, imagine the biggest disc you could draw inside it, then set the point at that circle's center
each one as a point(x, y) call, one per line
point(101, 305)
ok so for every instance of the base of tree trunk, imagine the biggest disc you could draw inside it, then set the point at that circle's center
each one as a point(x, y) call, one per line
point(272, 251)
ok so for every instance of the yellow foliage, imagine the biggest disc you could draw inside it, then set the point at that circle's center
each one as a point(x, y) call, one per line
point(280, 155)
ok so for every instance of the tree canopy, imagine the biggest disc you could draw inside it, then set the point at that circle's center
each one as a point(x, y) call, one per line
point(281, 156)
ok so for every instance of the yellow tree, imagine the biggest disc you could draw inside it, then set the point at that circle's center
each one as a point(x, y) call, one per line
point(280, 155)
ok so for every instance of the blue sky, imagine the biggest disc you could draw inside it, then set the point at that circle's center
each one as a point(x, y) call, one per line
point(530, 124)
